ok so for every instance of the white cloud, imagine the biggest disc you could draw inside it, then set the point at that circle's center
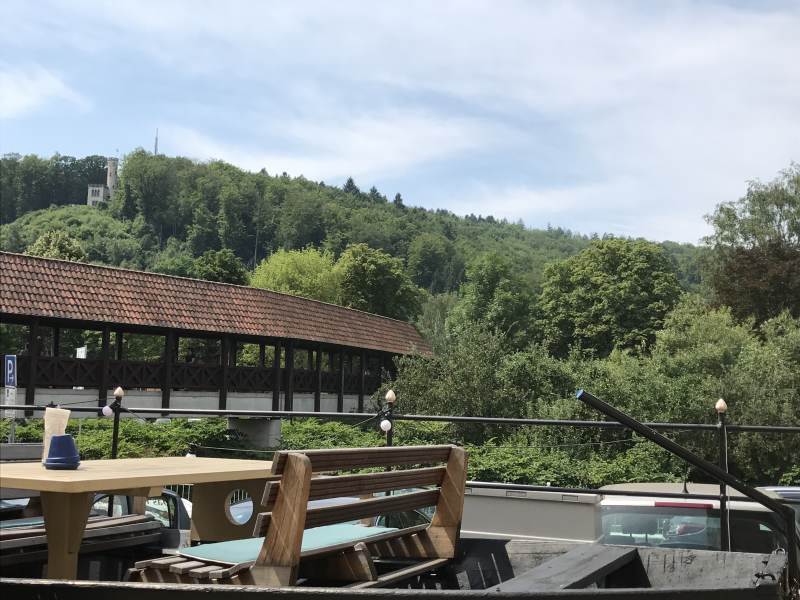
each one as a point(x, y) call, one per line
point(644, 115)
point(23, 90)
point(367, 146)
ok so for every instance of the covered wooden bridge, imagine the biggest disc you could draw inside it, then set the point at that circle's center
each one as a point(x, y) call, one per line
point(216, 345)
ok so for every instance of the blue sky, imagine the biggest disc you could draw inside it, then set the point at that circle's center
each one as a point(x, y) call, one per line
point(632, 118)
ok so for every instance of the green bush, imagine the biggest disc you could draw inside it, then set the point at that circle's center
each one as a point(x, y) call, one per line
point(136, 438)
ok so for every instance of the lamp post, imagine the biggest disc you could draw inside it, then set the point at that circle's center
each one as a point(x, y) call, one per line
point(724, 518)
point(387, 423)
point(115, 408)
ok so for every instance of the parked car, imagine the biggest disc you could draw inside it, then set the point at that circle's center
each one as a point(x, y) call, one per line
point(791, 493)
point(687, 522)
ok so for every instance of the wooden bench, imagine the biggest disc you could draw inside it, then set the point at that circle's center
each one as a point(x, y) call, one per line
point(283, 557)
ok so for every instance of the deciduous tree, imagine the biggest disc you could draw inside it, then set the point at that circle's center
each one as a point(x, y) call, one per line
point(755, 266)
point(308, 273)
point(613, 294)
point(57, 244)
point(374, 281)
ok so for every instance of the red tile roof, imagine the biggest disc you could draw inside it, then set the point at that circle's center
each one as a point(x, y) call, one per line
point(44, 287)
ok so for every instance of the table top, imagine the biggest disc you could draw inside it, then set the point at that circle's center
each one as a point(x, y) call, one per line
point(128, 473)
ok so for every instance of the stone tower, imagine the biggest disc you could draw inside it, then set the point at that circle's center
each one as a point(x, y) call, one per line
point(111, 174)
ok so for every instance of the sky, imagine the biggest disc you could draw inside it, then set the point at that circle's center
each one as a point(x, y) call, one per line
point(629, 118)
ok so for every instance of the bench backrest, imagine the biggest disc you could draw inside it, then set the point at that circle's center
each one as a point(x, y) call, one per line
point(445, 480)
point(440, 471)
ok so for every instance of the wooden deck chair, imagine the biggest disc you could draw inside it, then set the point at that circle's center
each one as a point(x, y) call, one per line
point(332, 549)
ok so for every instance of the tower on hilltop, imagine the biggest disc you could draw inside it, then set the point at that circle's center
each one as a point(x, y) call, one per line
point(99, 192)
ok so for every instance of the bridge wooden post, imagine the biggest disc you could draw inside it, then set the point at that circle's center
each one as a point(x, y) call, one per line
point(223, 384)
point(318, 380)
point(262, 355)
point(105, 344)
point(340, 396)
point(362, 379)
point(118, 345)
point(170, 347)
point(276, 377)
point(289, 398)
point(33, 355)
point(56, 341)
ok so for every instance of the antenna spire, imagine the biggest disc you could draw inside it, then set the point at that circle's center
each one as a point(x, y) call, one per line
point(155, 149)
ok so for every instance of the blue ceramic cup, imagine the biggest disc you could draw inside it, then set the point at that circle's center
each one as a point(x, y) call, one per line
point(63, 453)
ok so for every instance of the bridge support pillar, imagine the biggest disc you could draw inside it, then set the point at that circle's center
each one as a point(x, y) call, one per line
point(261, 433)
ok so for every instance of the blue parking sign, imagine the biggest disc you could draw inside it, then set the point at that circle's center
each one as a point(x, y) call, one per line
point(10, 368)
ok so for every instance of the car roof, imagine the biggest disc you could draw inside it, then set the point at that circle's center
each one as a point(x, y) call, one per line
point(738, 500)
point(671, 488)
point(785, 491)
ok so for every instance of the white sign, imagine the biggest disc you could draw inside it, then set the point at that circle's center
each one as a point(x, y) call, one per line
point(10, 398)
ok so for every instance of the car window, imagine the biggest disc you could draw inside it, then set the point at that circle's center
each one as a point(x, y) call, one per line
point(100, 506)
point(402, 520)
point(698, 528)
point(160, 510)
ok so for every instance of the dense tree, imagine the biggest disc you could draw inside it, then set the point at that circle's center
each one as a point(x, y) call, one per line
point(497, 296)
point(149, 186)
point(103, 238)
point(170, 210)
point(434, 263)
point(173, 260)
point(373, 281)
point(57, 244)
point(755, 266)
point(301, 221)
point(702, 354)
point(432, 320)
point(308, 273)
point(220, 265)
point(350, 187)
point(31, 183)
point(615, 293)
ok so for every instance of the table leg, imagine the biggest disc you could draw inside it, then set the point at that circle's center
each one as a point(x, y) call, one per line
point(65, 517)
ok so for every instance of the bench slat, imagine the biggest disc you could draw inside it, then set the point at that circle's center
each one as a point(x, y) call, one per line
point(203, 572)
point(360, 485)
point(185, 566)
point(159, 563)
point(359, 458)
point(373, 507)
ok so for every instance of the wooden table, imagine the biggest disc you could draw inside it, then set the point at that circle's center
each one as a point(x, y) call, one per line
point(67, 496)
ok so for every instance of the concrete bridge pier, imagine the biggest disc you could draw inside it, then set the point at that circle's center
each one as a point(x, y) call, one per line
point(262, 434)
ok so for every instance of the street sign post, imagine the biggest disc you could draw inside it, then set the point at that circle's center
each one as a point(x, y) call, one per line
point(10, 396)
point(10, 370)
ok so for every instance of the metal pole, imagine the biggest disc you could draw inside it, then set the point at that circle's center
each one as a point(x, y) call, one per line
point(710, 469)
point(724, 513)
point(116, 406)
point(390, 418)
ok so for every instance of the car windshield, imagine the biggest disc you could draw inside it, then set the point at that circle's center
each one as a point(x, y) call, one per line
point(688, 527)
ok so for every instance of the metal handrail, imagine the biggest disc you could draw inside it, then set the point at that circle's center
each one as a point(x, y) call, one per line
point(278, 414)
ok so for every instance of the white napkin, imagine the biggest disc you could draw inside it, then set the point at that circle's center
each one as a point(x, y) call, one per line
point(55, 423)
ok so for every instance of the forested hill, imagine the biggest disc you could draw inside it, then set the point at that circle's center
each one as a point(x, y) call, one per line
point(169, 211)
